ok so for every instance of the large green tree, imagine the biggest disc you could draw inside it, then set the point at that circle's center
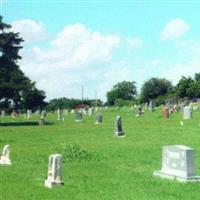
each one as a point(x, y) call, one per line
point(154, 88)
point(125, 90)
point(14, 85)
point(189, 87)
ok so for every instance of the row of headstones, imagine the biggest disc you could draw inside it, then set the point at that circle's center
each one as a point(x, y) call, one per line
point(178, 162)
point(147, 106)
point(166, 111)
point(28, 114)
point(187, 112)
point(61, 113)
point(79, 117)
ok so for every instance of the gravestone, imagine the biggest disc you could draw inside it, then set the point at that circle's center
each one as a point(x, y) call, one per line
point(3, 113)
point(146, 106)
point(181, 106)
point(90, 111)
point(99, 118)
point(42, 118)
point(79, 116)
point(175, 108)
point(14, 114)
point(187, 112)
point(165, 112)
point(151, 106)
point(54, 175)
point(178, 162)
point(60, 114)
point(43, 114)
point(5, 157)
point(195, 107)
point(84, 111)
point(118, 127)
point(170, 108)
point(41, 121)
point(38, 112)
point(139, 111)
point(191, 105)
point(28, 114)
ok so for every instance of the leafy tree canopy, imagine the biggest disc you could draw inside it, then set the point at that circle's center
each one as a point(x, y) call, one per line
point(155, 87)
point(16, 90)
point(125, 90)
point(189, 87)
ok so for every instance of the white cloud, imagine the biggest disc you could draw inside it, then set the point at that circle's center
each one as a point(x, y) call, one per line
point(75, 57)
point(117, 72)
point(183, 69)
point(174, 29)
point(30, 30)
point(135, 42)
point(78, 47)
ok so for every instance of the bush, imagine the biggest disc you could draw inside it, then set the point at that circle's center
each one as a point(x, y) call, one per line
point(76, 152)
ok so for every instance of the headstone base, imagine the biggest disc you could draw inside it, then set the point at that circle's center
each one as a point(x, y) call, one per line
point(41, 122)
point(52, 184)
point(78, 120)
point(178, 178)
point(4, 161)
point(98, 122)
point(119, 134)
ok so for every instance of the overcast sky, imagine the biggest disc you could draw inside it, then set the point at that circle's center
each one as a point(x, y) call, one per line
point(99, 43)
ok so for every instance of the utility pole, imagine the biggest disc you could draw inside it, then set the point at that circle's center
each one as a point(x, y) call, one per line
point(95, 98)
point(82, 90)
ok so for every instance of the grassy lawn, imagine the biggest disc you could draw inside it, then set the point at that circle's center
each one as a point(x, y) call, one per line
point(108, 169)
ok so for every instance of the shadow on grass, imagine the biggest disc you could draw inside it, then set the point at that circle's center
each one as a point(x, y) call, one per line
point(30, 123)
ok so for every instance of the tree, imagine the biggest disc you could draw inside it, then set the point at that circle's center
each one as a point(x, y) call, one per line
point(14, 85)
point(125, 90)
point(189, 87)
point(65, 103)
point(33, 98)
point(154, 88)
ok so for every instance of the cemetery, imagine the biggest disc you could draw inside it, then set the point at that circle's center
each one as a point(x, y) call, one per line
point(99, 100)
point(88, 162)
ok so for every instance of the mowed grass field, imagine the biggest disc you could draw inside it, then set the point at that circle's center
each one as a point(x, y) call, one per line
point(106, 167)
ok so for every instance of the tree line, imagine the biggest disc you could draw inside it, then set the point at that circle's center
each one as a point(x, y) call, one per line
point(158, 89)
point(18, 92)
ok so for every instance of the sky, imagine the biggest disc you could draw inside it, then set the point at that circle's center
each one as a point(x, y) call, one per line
point(96, 44)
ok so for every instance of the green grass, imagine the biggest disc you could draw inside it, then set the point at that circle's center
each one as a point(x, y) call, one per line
point(111, 169)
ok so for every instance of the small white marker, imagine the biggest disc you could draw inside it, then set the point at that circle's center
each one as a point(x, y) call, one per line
point(181, 123)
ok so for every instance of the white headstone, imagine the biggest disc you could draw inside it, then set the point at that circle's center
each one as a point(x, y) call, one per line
point(3, 113)
point(195, 107)
point(54, 171)
point(90, 111)
point(146, 106)
point(5, 157)
point(151, 106)
point(29, 114)
point(60, 114)
point(43, 114)
point(178, 163)
point(187, 112)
